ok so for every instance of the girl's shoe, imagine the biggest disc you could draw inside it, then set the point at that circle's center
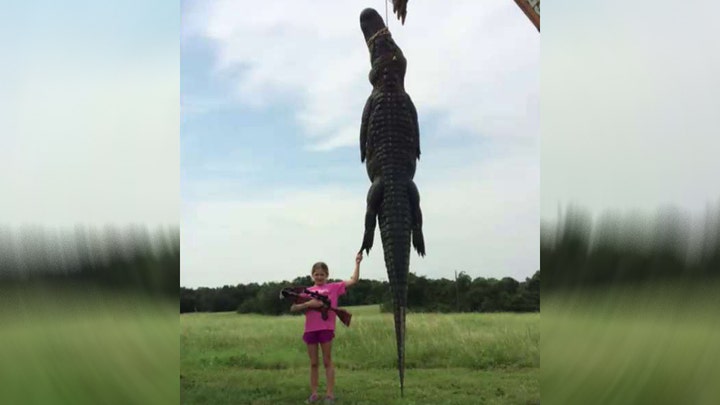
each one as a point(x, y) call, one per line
point(329, 401)
point(313, 399)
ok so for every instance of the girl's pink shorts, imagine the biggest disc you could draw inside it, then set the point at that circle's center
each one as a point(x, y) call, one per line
point(318, 336)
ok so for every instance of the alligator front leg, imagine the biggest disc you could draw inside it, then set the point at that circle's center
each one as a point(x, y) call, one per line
point(364, 127)
point(416, 217)
point(374, 200)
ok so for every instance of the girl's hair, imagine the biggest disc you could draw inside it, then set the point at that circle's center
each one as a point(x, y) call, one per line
point(320, 266)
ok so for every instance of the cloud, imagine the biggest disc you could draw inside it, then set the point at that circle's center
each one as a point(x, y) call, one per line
point(474, 64)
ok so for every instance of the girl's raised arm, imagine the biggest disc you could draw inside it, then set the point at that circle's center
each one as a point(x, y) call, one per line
point(356, 274)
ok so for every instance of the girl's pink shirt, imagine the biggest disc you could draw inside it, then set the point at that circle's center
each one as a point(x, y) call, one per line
point(313, 319)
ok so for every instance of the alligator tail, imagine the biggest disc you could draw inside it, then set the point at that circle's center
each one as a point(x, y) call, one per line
point(395, 231)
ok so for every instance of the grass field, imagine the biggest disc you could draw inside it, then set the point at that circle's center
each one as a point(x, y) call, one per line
point(86, 346)
point(656, 345)
point(228, 358)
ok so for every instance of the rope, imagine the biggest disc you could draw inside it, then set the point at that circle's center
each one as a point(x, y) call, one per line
point(377, 34)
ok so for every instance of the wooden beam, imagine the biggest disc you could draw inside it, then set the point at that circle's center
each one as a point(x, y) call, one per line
point(531, 8)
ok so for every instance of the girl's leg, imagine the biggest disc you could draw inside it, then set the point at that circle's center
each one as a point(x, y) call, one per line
point(313, 353)
point(329, 368)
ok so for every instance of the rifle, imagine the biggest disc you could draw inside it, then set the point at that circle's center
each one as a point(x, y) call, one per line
point(302, 294)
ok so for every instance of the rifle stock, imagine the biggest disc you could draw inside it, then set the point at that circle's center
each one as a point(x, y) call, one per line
point(344, 316)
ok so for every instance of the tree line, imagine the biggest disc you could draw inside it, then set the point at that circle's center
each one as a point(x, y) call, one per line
point(624, 248)
point(464, 294)
point(132, 258)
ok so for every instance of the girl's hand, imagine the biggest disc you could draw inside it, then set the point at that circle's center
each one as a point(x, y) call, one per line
point(358, 258)
point(313, 303)
point(297, 307)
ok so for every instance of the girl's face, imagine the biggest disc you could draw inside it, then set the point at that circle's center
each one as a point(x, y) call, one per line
point(319, 276)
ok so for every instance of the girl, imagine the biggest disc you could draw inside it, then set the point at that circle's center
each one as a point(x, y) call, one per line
point(322, 332)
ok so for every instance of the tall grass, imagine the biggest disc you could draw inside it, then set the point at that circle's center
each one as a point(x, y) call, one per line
point(438, 347)
point(86, 345)
point(433, 340)
point(632, 345)
point(630, 303)
point(88, 315)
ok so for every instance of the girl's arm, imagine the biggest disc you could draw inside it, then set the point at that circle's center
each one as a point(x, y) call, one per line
point(305, 305)
point(356, 274)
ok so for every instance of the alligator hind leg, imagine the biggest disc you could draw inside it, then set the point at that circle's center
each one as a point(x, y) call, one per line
point(374, 198)
point(417, 236)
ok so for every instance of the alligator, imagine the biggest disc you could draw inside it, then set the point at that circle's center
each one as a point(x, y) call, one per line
point(390, 148)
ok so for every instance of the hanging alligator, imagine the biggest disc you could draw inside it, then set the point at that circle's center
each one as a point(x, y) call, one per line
point(390, 147)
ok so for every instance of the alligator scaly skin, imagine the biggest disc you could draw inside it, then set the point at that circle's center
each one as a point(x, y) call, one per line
point(390, 147)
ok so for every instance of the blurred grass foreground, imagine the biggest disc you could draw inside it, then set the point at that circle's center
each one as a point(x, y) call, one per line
point(89, 316)
point(630, 305)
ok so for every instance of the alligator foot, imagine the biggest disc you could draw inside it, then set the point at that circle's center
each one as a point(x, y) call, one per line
point(374, 199)
point(417, 235)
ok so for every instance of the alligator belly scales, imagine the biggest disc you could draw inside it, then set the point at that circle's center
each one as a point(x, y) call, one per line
point(390, 148)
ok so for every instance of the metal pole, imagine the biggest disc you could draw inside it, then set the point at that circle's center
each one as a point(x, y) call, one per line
point(457, 293)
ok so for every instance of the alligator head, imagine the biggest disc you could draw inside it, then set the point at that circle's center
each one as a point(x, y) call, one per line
point(386, 58)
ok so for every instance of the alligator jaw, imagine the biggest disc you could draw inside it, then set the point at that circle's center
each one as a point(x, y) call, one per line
point(371, 24)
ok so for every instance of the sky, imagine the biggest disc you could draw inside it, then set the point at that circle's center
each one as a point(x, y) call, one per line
point(271, 99)
point(267, 163)
point(89, 113)
point(630, 107)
